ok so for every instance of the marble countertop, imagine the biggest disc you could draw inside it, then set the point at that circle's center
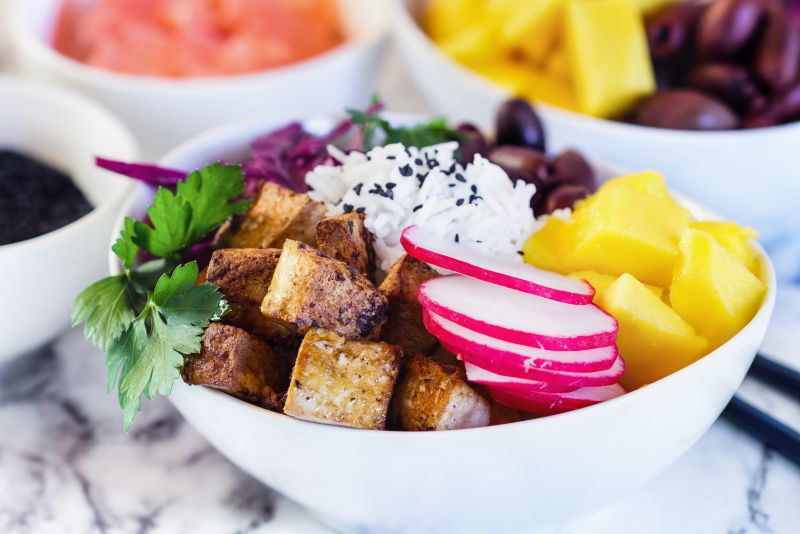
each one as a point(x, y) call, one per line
point(67, 467)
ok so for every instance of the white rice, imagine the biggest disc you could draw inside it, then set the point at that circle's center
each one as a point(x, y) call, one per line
point(397, 186)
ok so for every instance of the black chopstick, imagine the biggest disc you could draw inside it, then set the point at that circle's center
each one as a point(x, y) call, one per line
point(764, 428)
point(776, 374)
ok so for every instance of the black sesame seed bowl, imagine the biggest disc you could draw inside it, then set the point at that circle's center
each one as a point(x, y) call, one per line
point(56, 210)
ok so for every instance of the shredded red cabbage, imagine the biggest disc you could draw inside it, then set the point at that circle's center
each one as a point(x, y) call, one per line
point(143, 172)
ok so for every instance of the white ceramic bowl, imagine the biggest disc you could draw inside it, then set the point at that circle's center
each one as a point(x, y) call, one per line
point(752, 176)
point(163, 112)
point(535, 476)
point(40, 277)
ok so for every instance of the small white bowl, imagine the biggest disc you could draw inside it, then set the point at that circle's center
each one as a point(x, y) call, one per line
point(751, 176)
point(41, 276)
point(163, 112)
point(535, 476)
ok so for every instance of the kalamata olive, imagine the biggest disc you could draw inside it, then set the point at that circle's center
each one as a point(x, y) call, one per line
point(519, 125)
point(475, 142)
point(564, 196)
point(685, 109)
point(570, 168)
point(730, 83)
point(784, 107)
point(529, 160)
point(727, 26)
point(670, 30)
point(758, 120)
point(777, 56)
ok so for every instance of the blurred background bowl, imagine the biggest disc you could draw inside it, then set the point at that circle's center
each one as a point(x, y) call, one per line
point(541, 475)
point(162, 112)
point(752, 176)
point(41, 276)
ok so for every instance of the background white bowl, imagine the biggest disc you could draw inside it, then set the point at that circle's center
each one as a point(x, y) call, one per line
point(535, 476)
point(41, 276)
point(752, 176)
point(163, 112)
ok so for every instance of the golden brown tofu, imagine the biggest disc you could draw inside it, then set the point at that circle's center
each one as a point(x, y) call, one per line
point(443, 356)
point(277, 214)
point(400, 287)
point(243, 275)
point(240, 364)
point(340, 382)
point(430, 396)
point(309, 289)
point(345, 238)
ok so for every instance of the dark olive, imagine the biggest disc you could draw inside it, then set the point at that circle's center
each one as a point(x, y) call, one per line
point(727, 26)
point(570, 168)
point(685, 109)
point(670, 30)
point(475, 142)
point(758, 120)
point(784, 107)
point(777, 57)
point(730, 83)
point(519, 125)
point(529, 160)
point(564, 196)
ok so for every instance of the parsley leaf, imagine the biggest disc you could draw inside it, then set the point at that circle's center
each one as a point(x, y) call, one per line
point(421, 135)
point(170, 233)
point(105, 308)
point(125, 248)
point(209, 192)
point(147, 358)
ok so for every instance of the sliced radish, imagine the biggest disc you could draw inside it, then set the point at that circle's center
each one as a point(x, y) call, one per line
point(512, 359)
point(495, 269)
point(483, 377)
point(552, 403)
point(517, 317)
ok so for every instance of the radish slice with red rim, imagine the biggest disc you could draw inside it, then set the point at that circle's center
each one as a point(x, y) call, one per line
point(511, 359)
point(570, 381)
point(541, 403)
point(484, 377)
point(517, 317)
point(505, 271)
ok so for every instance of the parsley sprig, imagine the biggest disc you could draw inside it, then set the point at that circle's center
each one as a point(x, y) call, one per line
point(429, 133)
point(150, 318)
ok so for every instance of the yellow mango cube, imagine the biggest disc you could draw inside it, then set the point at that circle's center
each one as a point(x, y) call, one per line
point(530, 26)
point(736, 239)
point(471, 44)
point(653, 340)
point(550, 248)
point(609, 55)
point(557, 63)
point(622, 229)
point(601, 282)
point(711, 289)
point(646, 7)
point(444, 19)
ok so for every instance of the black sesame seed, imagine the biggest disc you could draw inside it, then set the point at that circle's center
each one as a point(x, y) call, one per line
point(452, 168)
point(421, 178)
point(360, 210)
point(408, 152)
point(357, 188)
point(405, 170)
point(391, 157)
point(451, 185)
point(390, 185)
point(456, 238)
point(460, 178)
point(474, 188)
point(347, 208)
point(520, 253)
point(459, 202)
point(474, 198)
point(418, 161)
point(417, 207)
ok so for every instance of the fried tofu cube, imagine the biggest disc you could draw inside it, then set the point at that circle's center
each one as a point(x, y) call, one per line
point(276, 214)
point(345, 238)
point(443, 356)
point(240, 364)
point(401, 287)
point(430, 396)
point(341, 382)
point(243, 275)
point(309, 289)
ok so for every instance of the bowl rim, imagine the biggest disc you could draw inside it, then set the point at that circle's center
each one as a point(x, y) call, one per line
point(22, 38)
point(226, 131)
point(46, 92)
point(404, 22)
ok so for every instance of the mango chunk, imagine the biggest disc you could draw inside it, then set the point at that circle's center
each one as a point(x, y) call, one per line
point(601, 282)
point(532, 27)
point(653, 340)
point(622, 229)
point(443, 19)
point(711, 289)
point(609, 55)
point(736, 239)
point(551, 246)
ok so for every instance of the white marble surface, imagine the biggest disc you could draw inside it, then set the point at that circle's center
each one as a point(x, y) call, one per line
point(67, 467)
